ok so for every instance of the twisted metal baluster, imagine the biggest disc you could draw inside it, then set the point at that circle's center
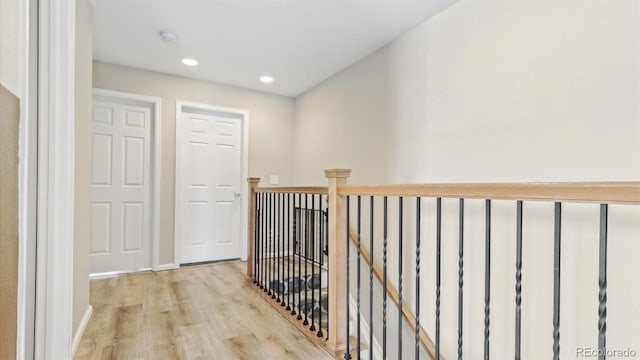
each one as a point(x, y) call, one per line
point(299, 245)
point(306, 260)
point(313, 261)
point(274, 246)
point(371, 274)
point(294, 279)
point(487, 277)
point(321, 234)
point(384, 285)
point(359, 249)
point(255, 238)
point(288, 308)
point(347, 354)
point(518, 278)
point(269, 244)
point(417, 334)
point(261, 238)
point(438, 253)
point(602, 284)
point(556, 280)
point(278, 237)
point(460, 275)
point(400, 250)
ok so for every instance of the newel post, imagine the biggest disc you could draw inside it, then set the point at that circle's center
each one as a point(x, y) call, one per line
point(338, 336)
point(251, 228)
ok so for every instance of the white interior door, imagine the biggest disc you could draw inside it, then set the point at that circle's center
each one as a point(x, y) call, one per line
point(120, 187)
point(209, 176)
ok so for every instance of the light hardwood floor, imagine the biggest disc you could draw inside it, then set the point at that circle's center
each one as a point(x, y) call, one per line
point(195, 312)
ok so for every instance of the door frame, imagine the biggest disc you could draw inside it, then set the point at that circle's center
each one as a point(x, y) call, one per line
point(55, 174)
point(244, 170)
point(155, 175)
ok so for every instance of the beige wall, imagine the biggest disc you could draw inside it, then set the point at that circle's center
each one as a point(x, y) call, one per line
point(500, 91)
point(270, 133)
point(82, 219)
point(9, 119)
point(343, 123)
point(10, 36)
point(472, 91)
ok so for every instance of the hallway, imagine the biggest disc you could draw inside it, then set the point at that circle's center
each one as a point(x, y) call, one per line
point(196, 312)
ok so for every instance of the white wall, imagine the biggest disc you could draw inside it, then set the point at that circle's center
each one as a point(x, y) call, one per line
point(270, 133)
point(499, 91)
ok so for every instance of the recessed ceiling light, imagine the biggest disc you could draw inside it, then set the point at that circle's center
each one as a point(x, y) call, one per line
point(190, 62)
point(266, 79)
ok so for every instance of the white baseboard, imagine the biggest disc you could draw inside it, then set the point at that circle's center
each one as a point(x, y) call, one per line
point(115, 273)
point(164, 267)
point(374, 346)
point(81, 328)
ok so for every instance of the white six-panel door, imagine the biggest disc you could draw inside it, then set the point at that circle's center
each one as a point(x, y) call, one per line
point(120, 188)
point(209, 171)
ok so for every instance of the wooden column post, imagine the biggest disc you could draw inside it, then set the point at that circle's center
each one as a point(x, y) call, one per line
point(338, 336)
point(251, 228)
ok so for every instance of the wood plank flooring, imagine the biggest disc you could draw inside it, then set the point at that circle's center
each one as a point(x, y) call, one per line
point(195, 312)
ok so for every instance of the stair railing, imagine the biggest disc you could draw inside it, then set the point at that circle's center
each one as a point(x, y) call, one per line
point(274, 229)
point(410, 199)
point(288, 235)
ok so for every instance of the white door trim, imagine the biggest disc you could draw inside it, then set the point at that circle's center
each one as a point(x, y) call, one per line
point(28, 180)
point(56, 162)
point(156, 104)
point(180, 104)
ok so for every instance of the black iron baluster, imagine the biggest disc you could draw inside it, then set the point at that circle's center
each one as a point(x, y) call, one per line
point(460, 274)
point(288, 277)
point(261, 240)
point(518, 277)
point(263, 248)
point(278, 242)
point(326, 239)
point(306, 260)
point(371, 275)
point(313, 261)
point(359, 255)
point(267, 286)
point(321, 234)
point(602, 284)
point(281, 286)
point(400, 208)
point(487, 276)
point(417, 334)
point(256, 215)
point(556, 280)
point(299, 246)
point(384, 276)
point(256, 247)
point(274, 250)
point(347, 354)
point(438, 251)
point(293, 278)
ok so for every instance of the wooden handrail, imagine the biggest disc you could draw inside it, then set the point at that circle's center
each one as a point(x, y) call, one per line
point(294, 190)
point(591, 192)
point(425, 340)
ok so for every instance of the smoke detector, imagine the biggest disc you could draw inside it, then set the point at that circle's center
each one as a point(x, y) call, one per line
point(168, 37)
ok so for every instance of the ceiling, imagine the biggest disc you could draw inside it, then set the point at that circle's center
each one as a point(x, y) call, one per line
point(298, 42)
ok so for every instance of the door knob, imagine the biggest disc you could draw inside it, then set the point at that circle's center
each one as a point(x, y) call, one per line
point(237, 195)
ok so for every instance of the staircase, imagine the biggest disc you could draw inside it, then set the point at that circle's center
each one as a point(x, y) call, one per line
point(304, 288)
